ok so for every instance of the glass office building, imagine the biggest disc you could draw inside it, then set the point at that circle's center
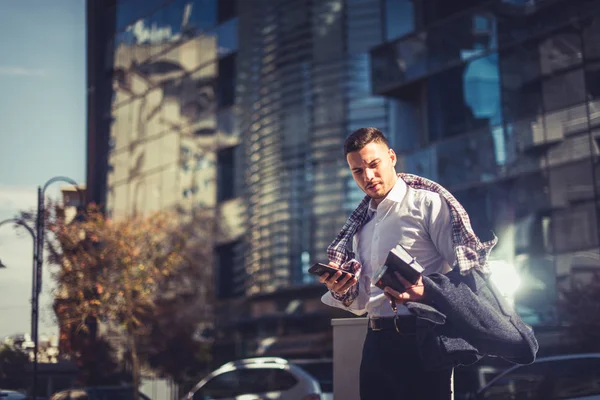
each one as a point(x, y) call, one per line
point(498, 101)
point(303, 83)
point(242, 107)
point(204, 102)
point(162, 127)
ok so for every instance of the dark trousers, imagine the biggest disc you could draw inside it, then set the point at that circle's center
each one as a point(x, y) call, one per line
point(391, 370)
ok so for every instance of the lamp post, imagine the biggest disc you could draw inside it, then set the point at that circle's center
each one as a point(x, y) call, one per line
point(34, 292)
point(38, 261)
point(40, 225)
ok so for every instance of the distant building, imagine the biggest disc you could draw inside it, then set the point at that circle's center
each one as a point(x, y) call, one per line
point(73, 200)
point(47, 347)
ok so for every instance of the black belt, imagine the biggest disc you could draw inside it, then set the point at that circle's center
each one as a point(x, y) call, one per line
point(405, 325)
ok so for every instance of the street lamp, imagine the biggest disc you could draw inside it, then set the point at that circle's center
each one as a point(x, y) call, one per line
point(34, 302)
point(40, 225)
point(41, 222)
point(38, 261)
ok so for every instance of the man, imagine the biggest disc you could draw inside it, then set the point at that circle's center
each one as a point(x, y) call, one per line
point(395, 213)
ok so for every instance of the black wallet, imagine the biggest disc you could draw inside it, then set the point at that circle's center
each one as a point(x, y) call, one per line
point(398, 260)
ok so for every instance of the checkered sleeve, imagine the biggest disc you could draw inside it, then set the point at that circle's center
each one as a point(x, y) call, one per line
point(340, 251)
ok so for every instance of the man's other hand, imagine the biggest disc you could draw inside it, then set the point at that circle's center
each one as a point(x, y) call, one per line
point(414, 292)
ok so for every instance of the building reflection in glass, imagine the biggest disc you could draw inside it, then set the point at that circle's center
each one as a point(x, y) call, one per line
point(170, 107)
point(503, 113)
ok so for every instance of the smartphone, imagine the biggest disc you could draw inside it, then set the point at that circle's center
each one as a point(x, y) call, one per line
point(320, 269)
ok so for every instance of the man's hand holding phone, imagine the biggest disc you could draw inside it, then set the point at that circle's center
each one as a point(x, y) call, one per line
point(338, 281)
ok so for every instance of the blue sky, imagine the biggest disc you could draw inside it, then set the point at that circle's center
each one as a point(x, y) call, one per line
point(42, 133)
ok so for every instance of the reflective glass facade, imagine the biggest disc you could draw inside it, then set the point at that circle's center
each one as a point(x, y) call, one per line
point(162, 115)
point(497, 102)
point(173, 91)
point(242, 106)
point(303, 84)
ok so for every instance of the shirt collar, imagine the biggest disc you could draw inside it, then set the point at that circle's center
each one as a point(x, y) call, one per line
point(396, 194)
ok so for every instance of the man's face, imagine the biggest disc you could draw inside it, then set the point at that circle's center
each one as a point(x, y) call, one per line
point(373, 169)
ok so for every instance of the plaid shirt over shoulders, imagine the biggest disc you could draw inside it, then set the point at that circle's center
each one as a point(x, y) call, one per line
point(470, 252)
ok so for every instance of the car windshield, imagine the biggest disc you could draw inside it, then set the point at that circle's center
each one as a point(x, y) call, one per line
point(556, 379)
point(246, 381)
point(321, 371)
point(99, 393)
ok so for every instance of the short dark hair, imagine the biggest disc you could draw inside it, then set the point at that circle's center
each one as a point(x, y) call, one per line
point(362, 137)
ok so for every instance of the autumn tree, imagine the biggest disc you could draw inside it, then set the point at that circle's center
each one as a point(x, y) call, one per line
point(138, 276)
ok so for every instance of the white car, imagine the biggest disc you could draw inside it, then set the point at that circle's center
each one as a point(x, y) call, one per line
point(98, 393)
point(567, 377)
point(11, 395)
point(263, 378)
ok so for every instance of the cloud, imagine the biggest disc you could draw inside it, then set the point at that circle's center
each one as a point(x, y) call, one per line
point(20, 71)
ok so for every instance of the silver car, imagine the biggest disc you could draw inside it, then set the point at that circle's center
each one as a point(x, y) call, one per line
point(11, 395)
point(263, 378)
point(568, 377)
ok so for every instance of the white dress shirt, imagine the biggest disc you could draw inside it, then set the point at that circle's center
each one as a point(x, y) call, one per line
point(417, 219)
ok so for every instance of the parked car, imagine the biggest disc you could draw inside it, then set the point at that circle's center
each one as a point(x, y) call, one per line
point(567, 377)
point(322, 370)
point(11, 395)
point(97, 393)
point(259, 378)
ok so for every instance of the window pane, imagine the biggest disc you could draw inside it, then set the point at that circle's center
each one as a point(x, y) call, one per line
point(226, 81)
point(461, 38)
point(227, 37)
point(576, 378)
point(399, 18)
point(574, 217)
point(264, 380)
point(279, 380)
point(592, 76)
point(560, 51)
point(565, 379)
point(226, 9)
point(220, 387)
point(464, 99)
point(412, 54)
point(524, 383)
point(521, 87)
point(591, 38)
point(470, 159)
point(225, 258)
point(364, 27)
point(130, 10)
point(564, 90)
point(327, 29)
point(435, 10)
point(405, 123)
point(225, 171)
point(398, 62)
point(196, 14)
